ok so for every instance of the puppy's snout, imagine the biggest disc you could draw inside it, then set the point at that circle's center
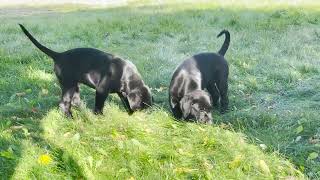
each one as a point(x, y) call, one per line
point(205, 117)
point(135, 108)
point(208, 118)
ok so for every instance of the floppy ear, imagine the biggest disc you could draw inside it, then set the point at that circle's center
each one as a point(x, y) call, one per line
point(133, 100)
point(185, 106)
point(173, 102)
point(124, 94)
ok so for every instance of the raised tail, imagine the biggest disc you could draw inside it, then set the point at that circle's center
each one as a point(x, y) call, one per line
point(44, 49)
point(226, 43)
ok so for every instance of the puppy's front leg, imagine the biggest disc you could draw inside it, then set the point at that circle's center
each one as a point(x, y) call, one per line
point(175, 108)
point(101, 96)
point(214, 94)
point(102, 92)
point(177, 113)
point(223, 88)
point(125, 103)
point(65, 103)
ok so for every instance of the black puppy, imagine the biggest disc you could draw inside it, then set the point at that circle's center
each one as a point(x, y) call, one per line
point(99, 70)
point(202, 71)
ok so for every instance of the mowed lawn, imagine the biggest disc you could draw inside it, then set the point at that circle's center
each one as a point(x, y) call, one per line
point(271, 131)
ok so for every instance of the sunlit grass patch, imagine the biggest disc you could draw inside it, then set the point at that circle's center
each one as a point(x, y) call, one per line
point(152, 145)
point(39, 75)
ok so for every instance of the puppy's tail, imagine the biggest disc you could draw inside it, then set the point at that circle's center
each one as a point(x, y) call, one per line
point(44, 49)
point(226, 43)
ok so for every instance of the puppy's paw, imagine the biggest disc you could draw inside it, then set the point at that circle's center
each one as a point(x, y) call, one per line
point(209, 122)
point(215, 103)
point(98, 112)
point(223, 111)
point(68, 114)
point(76, 103)
point(130, 112)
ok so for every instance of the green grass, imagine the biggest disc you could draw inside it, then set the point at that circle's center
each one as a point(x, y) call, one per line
point(274, 94)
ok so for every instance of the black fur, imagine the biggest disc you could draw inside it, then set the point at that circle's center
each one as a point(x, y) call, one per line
point(99, 70)
point(202, 71)
point(226, 43)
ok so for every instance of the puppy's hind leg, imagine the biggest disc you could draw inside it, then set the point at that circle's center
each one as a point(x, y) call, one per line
point(76, 97)
point(65, 103)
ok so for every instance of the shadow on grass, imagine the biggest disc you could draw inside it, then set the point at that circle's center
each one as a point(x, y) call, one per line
point(23, 123)
point(10, 153)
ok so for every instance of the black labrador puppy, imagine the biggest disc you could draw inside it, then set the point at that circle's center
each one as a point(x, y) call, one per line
point(209, 71)
point(99, 70)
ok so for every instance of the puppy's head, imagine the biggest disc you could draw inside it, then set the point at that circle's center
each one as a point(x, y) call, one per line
point(197, 105)
point(140, 98)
